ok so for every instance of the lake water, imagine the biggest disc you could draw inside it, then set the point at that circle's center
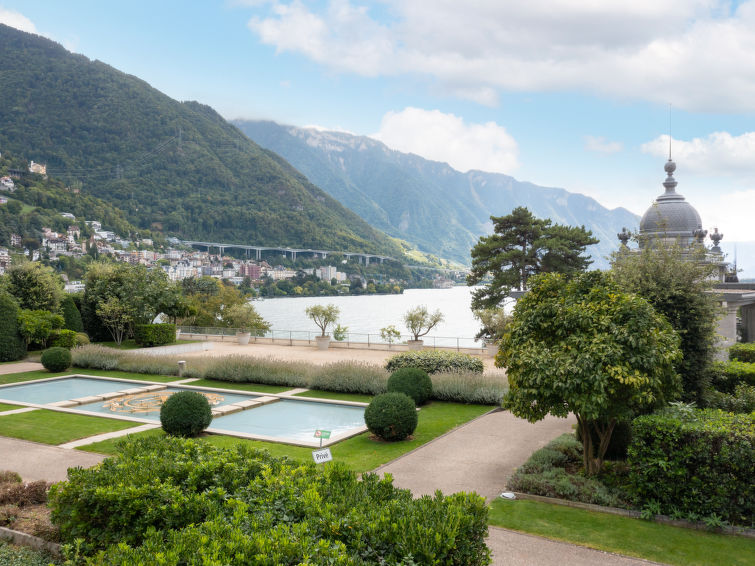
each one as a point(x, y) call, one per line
point(367, 314)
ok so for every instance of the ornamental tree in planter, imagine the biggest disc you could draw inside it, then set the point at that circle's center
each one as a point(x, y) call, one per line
point(419, 322)
point(323, 316)
point(247, 320)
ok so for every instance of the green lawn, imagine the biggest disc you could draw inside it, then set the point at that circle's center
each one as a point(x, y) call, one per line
point(42, 374)
point(258, 387)
point(7, 407)
point(623, 535)
point(53, 427)
point(360, 453)
point(336, 396)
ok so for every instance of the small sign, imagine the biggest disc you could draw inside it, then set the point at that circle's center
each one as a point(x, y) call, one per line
point(322, 455)
point(323, 434)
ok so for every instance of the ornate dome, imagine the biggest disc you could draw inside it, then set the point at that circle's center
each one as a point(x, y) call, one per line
point(671, 217)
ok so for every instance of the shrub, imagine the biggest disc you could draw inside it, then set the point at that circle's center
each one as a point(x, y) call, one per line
point(81, 339)
point(742, 400)
point(618, 443)
point(434, 361)
point(391, 416)
point(154, 334)
point(71, 314)
point(12, 345)
point(196, 503)
point(56, 359)
point(8, 476)
point(469, 387)
point(695, 461)
point(22, 494)
point(742, 352)
point(349, 377)
point(412, 381)
point(63, 339)
point(186, 413)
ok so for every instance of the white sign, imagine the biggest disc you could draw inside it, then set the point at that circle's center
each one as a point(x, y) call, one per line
point(322, 455)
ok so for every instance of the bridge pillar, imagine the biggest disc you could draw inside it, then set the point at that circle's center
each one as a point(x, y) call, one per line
point(259, 254)
point(293, 255)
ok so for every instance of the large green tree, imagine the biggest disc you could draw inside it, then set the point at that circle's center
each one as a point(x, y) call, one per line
point(12, 346)
point(521, 246)
point(580, 345)
point(677, 282)
point(35, 286)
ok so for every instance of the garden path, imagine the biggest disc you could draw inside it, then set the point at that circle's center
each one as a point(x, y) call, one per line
point(18, 367)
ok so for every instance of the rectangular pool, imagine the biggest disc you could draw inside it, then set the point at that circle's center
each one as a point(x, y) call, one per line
point(53, 390)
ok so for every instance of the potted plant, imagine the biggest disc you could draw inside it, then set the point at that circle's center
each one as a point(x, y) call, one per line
point(419, 322)
point(246, 320)
point(323, 316)
point(494, 324)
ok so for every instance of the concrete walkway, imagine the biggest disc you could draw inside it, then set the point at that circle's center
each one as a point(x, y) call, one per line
point(35, 461)
point(20, 367)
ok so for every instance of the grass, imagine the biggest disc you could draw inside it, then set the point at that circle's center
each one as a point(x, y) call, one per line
point(360, 453)
point(43, 374)
point(8, 407)
point(53, 427)
point(623, 535)
point(336, 396)
point(258, 387)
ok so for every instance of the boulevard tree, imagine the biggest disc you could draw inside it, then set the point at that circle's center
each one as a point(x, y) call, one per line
point(419, 321)
point(580, 345)
point(522, 246)
point(323, 315)
point(677, 282)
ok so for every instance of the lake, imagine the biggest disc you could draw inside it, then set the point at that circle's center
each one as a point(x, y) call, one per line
point(367, 314)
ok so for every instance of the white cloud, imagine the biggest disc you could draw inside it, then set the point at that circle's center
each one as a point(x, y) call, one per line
point(447, 138)
point(602, 145)
point(17, 20)
point(719, 154)
point(658, 50)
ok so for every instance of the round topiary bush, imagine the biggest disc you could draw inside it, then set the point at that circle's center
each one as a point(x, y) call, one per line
point(391, 416)
point(412, 381)
point(186, 413)
point(56, 359)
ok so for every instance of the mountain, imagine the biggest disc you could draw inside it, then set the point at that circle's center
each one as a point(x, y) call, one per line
point(173, 167)
point(430, 204)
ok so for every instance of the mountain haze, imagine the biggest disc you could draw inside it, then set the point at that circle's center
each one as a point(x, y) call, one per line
point(430, 204)
point(174, 167)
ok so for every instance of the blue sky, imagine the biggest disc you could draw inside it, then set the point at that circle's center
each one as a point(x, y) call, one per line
point(566, 93)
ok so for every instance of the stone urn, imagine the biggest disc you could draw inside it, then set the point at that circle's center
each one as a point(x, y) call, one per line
point(415, 344)
point(323, 342)
point(243, 337)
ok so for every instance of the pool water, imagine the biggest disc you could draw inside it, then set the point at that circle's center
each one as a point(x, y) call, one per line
point(295, 420)
point(54, 390)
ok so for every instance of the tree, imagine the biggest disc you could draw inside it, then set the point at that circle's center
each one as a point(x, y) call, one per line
point(246, 318)
point(11, 343)
point(419, 321)
point(71, 314)
point(36, 286)
point(494, 324)
point(583, 346)
point(116, 317)
point(520, 247)
point(323, 315)
point(37, 325)
point(677, 282)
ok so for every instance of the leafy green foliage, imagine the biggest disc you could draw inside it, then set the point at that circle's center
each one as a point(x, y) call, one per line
point(413, 382)
point(64, 338)
point(179, 168)
point(56, 359)
point(36, 326)
point(12, 345)
point(494, 324)
point(246, 318)
point(22, 556)
point(419, 321)
point(740, 400)
point(186, 413)
point(435, 361)
point(675, 281)
point(189, 501)
point(727, 375)
point(35, 286)
point(154, 334)
point(391, 416)
point(71, 314)
point(695, 461)
point(582, 346)
point(742, 352)
point(323, 315)
point(522, 246)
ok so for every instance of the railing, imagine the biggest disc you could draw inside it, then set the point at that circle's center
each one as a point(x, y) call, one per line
point(350, 339)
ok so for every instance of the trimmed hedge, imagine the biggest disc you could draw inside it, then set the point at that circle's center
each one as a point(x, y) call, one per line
point(71, 314)
point(434, 361)
point(63, 339)
point(695, 461)
point(186, 413)
point(391, 416)
point(413, 382)
point(56, 359)
point(727, 375)
point(742, 352)
point(149, 335)
point(12, 345)
point(742, 400)
point(190, 502)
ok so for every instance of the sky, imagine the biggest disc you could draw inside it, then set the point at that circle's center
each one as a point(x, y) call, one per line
point(578, 94)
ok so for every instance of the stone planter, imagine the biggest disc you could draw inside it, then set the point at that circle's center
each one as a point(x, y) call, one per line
point(323, 342)
point(178, 335)
point(491, 349)
point(243, 337)
point(415, 344)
